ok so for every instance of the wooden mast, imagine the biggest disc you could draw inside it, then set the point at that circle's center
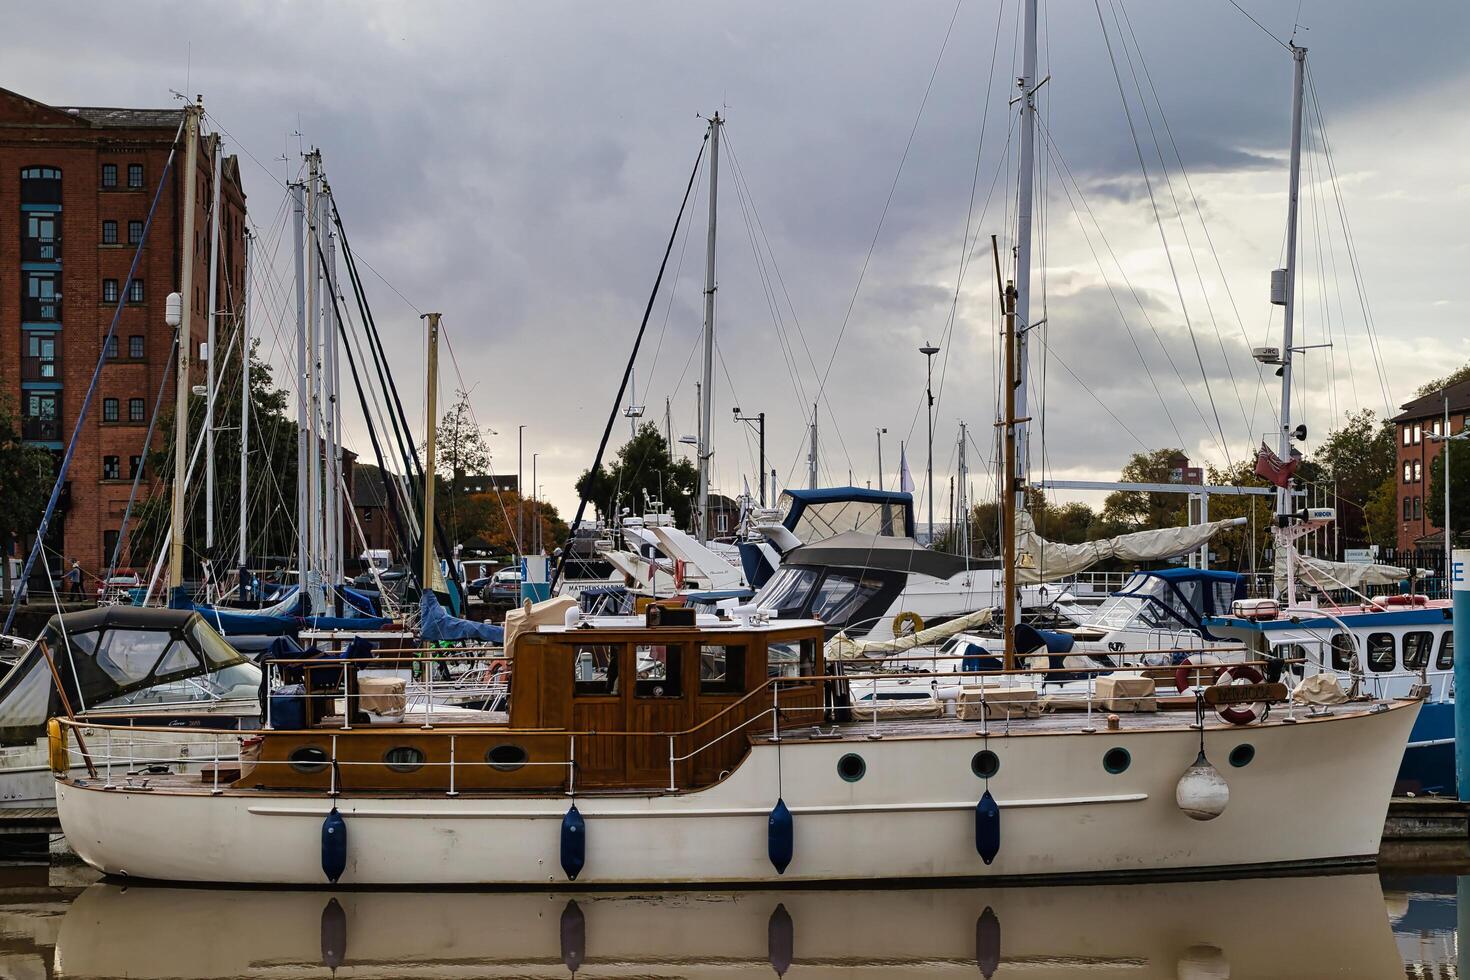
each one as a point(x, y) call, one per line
point(1012, 487)
point(431, 424)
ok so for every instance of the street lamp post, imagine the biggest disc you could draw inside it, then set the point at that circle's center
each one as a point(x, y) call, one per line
point(760, 421)
point(929, 350)
point(520, 486)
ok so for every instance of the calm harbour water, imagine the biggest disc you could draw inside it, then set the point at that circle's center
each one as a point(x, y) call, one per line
point(62, 922)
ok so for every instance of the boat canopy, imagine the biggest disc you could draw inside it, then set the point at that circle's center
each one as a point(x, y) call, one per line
point(857, 549)
point(120, 656)
point(1170, 598)
point(816, 514)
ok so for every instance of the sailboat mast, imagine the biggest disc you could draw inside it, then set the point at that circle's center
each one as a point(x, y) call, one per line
point(303, 394)
point(213, 312)
point(707, 396)
point(1024, 207)
point(332, 376)
point(245, 408)
point(188, 185)
point(313, 368)
point(1013, 488)
point(1288, 302)
point(811, 459)
point(431, 401)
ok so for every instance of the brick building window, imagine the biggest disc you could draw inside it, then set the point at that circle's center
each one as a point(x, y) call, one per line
point(1408, 475)
point(109, 290)
point(135, 176)
point(109, 544)
point(1418, 433)
point(135, 291)
point(112, 348)
point(109, 175)
point(109, 233)
point(1434, 427)
point(40, 185)
point(109, 409)
point(1408, 508)
point(135, 346)
point(135, 232)
point(111, 468)
point(1418, 472)
point(135, 409)
point(1418, 510)
point(1406, 434)
point(135, 463)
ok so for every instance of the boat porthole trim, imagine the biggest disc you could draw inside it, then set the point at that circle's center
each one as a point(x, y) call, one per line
point(404, 758)
point(1242, 755)
point(308, 759)
point(1117, 760)
point(507, 757)
point(985, 763)
point(851, 767)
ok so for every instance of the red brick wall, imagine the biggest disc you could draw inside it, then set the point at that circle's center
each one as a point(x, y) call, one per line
point(29, 138)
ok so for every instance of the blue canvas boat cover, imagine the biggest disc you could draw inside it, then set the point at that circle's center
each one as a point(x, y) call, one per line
point(436, 625)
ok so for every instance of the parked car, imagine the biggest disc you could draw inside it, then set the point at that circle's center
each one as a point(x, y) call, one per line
point(114, 591)
point(504, 586)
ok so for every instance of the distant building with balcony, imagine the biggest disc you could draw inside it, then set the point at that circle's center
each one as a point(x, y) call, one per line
point(1420, 419)
point(76, 188)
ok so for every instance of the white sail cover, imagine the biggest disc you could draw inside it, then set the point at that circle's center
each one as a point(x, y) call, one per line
point(1327, 575)
point(1040, 560)
point(841, 647)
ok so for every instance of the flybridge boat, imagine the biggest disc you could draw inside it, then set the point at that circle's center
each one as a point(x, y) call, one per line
point(151, 666)
point(658, 750)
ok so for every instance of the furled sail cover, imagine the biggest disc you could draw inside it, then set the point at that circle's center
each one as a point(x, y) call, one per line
point(1329, 575)
point(841, 647)
point(1040, 560)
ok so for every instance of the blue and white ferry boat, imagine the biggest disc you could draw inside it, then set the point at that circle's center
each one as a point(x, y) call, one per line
point(1386, 647)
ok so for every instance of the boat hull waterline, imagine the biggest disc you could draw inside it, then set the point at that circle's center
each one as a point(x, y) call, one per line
point(911, 816)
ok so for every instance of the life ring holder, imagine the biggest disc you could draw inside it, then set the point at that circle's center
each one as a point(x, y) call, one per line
point(1205, 673)
point(907, 617)
point(1241, 714)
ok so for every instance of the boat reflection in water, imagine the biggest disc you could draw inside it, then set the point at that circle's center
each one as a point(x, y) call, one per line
point(1260, 928)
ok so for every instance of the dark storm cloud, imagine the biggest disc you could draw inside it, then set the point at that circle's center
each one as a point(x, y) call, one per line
point(519, 166)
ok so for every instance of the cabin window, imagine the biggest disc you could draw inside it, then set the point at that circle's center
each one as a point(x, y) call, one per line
point(308, 759)
point(788, 589)
point(596, 670)
point(721, 669)
point(1381, 652)
point(507, 757)
point(1446, 658)
point(404, 758)
point(660, 671)
point(791, 658)
point(840, 596)
point(128, 656)
point(1342, 651)
point(1416, 649)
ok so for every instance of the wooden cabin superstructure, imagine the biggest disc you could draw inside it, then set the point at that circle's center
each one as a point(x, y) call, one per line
point(611, 705)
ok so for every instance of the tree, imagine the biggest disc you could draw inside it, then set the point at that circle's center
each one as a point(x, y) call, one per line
point(492, 517)
point(1462, 373)
point(1138, 510)
point(1381, 513)
point(27, 473)
point(1356, 459)
point(1459, 489)
point(1241, 548)
point(644, 472)
point(461, 451)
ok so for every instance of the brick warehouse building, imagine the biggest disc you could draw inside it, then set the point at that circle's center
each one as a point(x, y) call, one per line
point(75, 188)
point(1421, 418)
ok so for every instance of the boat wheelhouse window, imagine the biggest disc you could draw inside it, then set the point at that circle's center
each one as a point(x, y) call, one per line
point(1416, 649)
point(840, 596)
point(1382, 652)
point(721, 669)
point(1446, 658)
point(1343, 651)
point(791, 658)
point(128, 655)
point(595, 670)
point(216, 649)
point(660, 671)
point(787, 589)
point(237, 682)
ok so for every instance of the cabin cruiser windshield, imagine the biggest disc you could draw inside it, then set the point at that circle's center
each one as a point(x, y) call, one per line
point(1170, 599)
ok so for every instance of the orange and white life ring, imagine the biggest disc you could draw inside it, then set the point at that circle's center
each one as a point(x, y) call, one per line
point(1240, 714)
point(1193, 673)
point(1402, 599)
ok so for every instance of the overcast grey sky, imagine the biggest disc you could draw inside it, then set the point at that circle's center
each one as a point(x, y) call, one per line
point(518, 167)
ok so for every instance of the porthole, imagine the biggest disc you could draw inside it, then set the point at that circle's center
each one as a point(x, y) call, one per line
point(1116, 760)
point(1242, 755)
point(985, 763)
point(308, 759)
point(404, 758)
point(851, 767)
point(507, 757)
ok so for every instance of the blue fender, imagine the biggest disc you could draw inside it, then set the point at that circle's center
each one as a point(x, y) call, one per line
point(573, 843)
point(780, 836)
point(987, 828)
point(334, 846)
